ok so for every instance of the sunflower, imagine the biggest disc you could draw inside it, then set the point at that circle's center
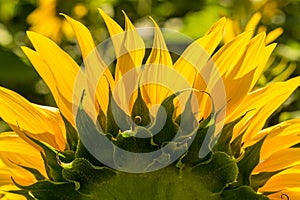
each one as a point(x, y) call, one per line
point(223, 150)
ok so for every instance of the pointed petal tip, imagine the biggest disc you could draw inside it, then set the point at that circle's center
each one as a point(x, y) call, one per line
point(257, 14)
point(154, 22)
point(24, 48)
point(223, 20)
point(102, 12)
point(124, 13)
point(261, 37)
point(34, 35)
point(30, 33)
point(67, 17)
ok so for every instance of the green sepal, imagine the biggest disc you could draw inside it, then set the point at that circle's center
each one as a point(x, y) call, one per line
point(249, 162)
point(72, 136)
point(115, 117)
point(223, 143)
point(87, 175)
point(242, 192)
point(141, 110)
point(49, 190)
point(187, 120)
point(166, 132)
point(188, 126)
point(201, 147)
point(236, 145)
point(217, 173)
point(259, 180)
point(101, 118)
point(51, 157)
point(87, 129)
point(192, 156)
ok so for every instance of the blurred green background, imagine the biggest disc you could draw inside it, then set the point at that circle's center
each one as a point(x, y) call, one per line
point(191, 17)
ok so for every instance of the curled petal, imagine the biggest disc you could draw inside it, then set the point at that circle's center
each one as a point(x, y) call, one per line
point(42, 123)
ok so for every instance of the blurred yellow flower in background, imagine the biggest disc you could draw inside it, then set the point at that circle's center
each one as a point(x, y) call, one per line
point(45, 19)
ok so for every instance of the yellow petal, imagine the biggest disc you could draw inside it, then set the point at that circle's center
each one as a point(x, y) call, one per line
point(15, 151)
point(237, 89)
point(197, 54)
point(45, 124)
point(231, 53)
point(83, 36)
point(287, 179)
point(232, 28)
point(94, 65)
point(43, 69)
point(159, 53)
point(5, 174)
point(279, 160)
point(261, 104)
point(112, 26)
point(8, 195)
point(253, 55)
point(115, 31)
point(273, 35)
point(64, 70)
point(132, 50)
point(286, 194)
point(158, 60)
point(252, 23)
point(266, 53)
point(281, 136)
point(129, 62)
point(213, 36)
point(261, 29)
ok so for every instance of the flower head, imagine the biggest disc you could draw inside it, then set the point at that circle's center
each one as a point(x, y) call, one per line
point(239, 159)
